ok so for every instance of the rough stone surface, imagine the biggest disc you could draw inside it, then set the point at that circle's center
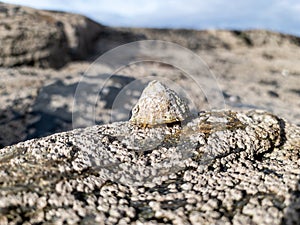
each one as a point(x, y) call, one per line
point(222, 167)
point(44, 38)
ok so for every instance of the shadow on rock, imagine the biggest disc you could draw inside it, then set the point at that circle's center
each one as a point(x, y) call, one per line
point(292, 213)
point(51, 111)
point(11, 131)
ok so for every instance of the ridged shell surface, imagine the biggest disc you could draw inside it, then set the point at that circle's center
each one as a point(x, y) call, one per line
point(159, 104)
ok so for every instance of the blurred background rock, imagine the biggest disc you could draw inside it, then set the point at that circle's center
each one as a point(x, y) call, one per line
point(43, 55)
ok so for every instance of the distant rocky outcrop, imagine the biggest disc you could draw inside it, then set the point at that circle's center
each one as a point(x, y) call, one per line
point(217, 39)
point(43, 38)
point(264, 63)
point(51, 39)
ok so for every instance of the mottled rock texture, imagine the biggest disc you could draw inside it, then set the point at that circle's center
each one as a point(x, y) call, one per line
point(220, 167)
point(44, 38)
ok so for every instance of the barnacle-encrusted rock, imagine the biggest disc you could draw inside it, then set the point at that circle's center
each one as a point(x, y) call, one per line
point(220, 167)
point(217, 167)
point(159, 104)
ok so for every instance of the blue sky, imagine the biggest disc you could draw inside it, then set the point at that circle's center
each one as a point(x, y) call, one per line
point(277, 15)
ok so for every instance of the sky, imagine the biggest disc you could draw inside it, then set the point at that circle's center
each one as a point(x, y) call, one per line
point(276, 15)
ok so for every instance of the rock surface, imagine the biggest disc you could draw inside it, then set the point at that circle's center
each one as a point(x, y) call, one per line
point(221, 167)
point(44, 38)
point(254, 69)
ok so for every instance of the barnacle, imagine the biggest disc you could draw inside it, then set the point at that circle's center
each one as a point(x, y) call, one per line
point(159, 104)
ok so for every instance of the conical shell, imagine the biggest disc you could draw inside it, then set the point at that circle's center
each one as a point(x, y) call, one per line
point(159, 104)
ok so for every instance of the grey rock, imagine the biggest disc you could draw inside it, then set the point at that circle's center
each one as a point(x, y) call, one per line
point(38, 102)
point(220, 167)
point(44, 38)
point(197, 40)
point(264, 63)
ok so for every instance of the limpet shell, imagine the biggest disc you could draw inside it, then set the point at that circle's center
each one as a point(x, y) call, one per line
point(159, 104)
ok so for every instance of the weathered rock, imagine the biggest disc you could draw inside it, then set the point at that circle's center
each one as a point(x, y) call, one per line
point(221, 167)
point(199, 40)
point(51, 39)
point(265, 64)
point(44, 38)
